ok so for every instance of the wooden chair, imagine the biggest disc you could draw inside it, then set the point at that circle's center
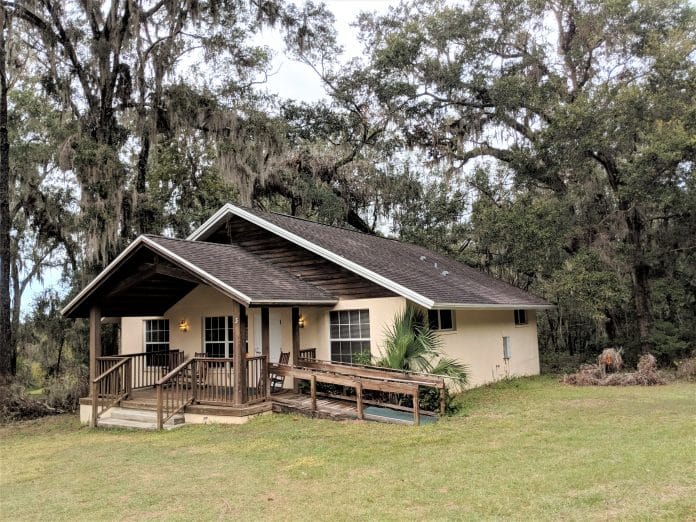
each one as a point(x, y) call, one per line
point(277, 381)
point(202, 370)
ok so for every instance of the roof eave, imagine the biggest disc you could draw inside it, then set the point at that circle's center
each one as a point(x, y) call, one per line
point(167, 254)
point(489, 306)
point(293, 302)
point(213, 220)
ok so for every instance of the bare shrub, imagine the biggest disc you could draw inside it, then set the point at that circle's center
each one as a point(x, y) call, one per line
point(64, 392)
point(593, 374)
point(647, 363)
point(686, 368)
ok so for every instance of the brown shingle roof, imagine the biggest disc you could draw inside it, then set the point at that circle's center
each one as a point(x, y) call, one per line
point(245, 272)
point(432, 275)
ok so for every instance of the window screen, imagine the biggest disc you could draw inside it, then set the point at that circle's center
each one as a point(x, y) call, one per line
point(350, 335)
point(520, 317)
point(441, 319)
point(156, 340)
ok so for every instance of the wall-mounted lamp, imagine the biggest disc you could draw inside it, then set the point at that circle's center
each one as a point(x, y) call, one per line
point(301, 321)
point(183, 325)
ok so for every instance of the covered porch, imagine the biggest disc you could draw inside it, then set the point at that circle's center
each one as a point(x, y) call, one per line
point(202, 329)
point(184, 310)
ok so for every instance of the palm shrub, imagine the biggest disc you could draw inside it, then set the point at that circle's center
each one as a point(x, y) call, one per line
point(410, 344)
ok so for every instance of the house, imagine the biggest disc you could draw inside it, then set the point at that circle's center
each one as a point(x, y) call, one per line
point(248, 285)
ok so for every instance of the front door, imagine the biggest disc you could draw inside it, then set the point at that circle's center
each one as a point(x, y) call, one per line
point(275, 334)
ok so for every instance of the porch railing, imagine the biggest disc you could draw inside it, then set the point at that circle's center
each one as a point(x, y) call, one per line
point(174, 392)
point(208, 380)
point(110, 387)
point(308, 354)
point(258, 384)
point(213, 380)
point(148, 368)
point(381, 385)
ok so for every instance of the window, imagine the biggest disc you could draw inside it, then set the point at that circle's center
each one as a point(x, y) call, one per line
point(520, 317)
point(441, 319)
point(217, 336)
point(156, 340)
point(218, 339)
point(350, 335)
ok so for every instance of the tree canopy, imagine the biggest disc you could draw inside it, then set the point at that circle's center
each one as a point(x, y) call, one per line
point(550, 143)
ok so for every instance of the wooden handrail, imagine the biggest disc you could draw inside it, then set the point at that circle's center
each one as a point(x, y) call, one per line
point(357, 382)
point(175, 391)
point(323, 372)
point(173, 372)
point(110, 370)
point(425, 378)
point(146, 367)
point(324, 367)
point(117, 383)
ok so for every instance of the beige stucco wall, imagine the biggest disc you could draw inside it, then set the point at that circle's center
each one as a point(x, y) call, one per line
point(315, 334)
point(478, 342)
point(201, 302)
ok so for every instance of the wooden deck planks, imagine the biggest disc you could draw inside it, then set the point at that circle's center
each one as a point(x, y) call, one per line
point(283, 402)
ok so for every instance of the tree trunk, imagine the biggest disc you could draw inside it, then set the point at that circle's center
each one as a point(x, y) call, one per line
point(7, 349)
point(640, 273)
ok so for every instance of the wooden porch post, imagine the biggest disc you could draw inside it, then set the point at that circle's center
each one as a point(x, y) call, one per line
point(295, 342)
point(266, 345)
point(238, 357)
point(265, 332)
point(95, 350)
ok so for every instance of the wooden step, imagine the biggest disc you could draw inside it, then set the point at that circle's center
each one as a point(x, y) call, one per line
point(131, 418)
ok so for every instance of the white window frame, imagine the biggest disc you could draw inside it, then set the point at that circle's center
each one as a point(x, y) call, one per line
point(517, 313)
point(350, 339)
point(146, 343)
point(439, 321)
point(229, 343)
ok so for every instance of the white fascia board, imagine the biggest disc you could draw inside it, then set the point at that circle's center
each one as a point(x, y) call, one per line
point(295, 302)
point(488, 306)
point(226, 209)
point(213, 281)
point(331, 256)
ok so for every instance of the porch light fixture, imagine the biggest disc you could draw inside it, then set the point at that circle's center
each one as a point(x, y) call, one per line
point(183, 325)
point(301, 321)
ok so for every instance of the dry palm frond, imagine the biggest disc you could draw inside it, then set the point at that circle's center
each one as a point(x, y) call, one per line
point(647, 363)
point(611, 358)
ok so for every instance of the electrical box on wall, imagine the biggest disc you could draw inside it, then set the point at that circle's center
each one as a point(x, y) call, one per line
point(507, 348)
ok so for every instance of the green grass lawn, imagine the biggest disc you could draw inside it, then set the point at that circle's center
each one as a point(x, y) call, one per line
point(529, 449)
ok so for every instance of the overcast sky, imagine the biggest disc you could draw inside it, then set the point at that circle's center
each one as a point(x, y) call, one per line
point(295, 80)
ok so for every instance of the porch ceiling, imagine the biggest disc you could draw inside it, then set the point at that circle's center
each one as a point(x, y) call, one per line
point(153, 273)
point(145, 284)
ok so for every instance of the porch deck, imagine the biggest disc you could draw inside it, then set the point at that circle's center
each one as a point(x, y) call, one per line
point(337, 409)
point(205, 386)
point(285, 401)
